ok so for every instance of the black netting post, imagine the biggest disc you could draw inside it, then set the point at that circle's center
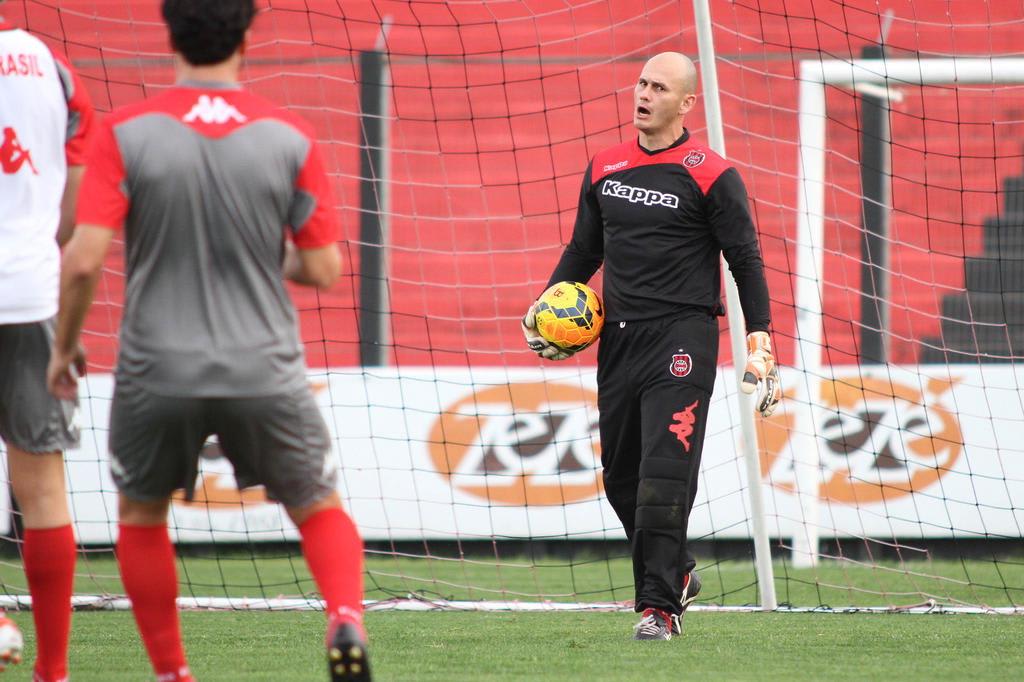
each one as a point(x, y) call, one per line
point(373, 298)
point(875, 175)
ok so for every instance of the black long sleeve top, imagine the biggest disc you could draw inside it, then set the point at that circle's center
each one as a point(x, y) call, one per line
point(658, 221)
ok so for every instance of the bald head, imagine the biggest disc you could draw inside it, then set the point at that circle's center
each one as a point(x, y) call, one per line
point(677, 68)
point(665, 92)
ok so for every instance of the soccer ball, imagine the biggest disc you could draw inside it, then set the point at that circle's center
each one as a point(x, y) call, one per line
point(11, 643)
point(570, 315)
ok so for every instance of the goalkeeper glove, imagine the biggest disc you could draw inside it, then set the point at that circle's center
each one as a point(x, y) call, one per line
point(762, 373)
point(537, 343)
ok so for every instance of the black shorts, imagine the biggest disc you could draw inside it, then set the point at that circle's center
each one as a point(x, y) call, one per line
point(279, 441)
point(654, 380)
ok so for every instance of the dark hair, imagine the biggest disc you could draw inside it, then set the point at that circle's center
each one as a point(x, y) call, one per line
point(207, 31)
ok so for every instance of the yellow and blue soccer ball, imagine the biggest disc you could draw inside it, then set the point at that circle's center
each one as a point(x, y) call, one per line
point(570, 315)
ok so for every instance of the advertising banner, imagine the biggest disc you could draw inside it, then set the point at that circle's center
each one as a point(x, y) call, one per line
point(504, 453)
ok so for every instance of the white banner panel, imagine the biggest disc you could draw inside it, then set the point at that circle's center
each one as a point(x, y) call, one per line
point(925, 451)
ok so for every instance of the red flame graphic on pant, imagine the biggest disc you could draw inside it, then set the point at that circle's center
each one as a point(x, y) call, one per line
point(684, 428)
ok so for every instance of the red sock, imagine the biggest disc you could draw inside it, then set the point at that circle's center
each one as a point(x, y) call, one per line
point(49, 557)
point(146, 558)
point(334, 554)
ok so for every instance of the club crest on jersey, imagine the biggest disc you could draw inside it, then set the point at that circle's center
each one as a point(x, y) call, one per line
point(639, 195)
point(681, 365)
point(213, 110)
point(694, 159)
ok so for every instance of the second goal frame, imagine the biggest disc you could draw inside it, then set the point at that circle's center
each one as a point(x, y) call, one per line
point(815, 75)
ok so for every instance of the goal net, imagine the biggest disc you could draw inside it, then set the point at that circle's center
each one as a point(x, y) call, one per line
point(456, 135)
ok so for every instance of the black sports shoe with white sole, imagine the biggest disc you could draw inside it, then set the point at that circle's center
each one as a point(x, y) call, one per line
point(691, 588)
point(654, 624)
point(347, 660)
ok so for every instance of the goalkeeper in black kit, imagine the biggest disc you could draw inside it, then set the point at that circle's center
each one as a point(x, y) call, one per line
point(658, 211)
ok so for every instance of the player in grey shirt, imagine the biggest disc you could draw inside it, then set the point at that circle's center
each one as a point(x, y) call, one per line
point(220, 195)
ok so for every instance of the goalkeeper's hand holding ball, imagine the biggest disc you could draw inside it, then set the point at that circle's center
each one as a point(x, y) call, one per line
point(537, 343)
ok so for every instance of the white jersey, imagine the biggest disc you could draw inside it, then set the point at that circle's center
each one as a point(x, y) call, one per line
point(44, 118)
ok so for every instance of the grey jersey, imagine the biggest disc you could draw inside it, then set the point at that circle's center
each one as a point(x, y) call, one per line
point(205, 181)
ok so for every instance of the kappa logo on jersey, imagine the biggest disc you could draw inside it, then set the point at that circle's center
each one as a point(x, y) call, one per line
point(639, 195)
point(616, 166)
point(214, 110)
point(13, 156)
point(683, 428)
point(694, 159)
point(681, 365)
point(520, 444)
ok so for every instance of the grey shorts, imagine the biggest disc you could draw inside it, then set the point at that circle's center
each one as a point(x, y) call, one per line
point(279, 441)
point(31, 419)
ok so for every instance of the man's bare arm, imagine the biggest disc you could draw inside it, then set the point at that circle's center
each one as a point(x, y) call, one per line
point(80, 270)
point(312, 267)
point(69, 203)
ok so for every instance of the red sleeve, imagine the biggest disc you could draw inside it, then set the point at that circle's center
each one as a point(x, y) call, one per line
point(312, 218)
point(80, 113)
point(103, 198)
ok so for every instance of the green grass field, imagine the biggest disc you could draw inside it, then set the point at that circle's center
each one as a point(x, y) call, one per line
point(730, 583)
point(570, 646)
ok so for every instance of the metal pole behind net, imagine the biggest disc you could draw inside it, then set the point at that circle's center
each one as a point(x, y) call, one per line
point(737, 326)
point(373, 221)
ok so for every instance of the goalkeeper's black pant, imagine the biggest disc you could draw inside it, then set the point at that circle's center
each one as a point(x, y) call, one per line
point(655, 379)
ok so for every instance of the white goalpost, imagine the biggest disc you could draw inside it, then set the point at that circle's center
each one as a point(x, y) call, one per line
point(737, 328)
